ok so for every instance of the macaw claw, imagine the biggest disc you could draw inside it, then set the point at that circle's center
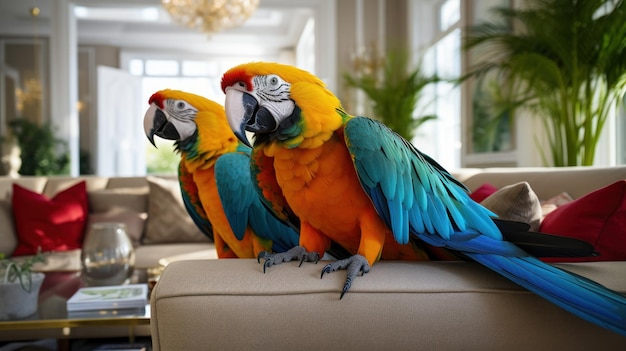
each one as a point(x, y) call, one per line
point(297, 252)
point(353, 265)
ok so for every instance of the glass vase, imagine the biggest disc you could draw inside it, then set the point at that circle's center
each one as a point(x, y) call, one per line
point(107, 256)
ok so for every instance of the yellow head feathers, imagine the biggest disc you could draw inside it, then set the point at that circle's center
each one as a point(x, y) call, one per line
point(199, 102)
point(245, 72)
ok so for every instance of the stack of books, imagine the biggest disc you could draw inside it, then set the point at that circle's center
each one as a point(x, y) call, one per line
point(118, 297)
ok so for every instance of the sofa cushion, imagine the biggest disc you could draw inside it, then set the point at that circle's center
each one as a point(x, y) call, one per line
point(168, 220)
point(104, 200)
point(598, 218)
point(55, 184)
point(516, 202)
point(56, 224)
point(134, 221)
point(126, 205)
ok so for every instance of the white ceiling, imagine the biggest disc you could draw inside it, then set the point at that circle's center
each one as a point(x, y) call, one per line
point(275, 26)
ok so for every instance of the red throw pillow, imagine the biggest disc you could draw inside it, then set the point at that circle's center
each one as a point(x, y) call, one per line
point(598, 218)
point(482, 192)
point(56, 224)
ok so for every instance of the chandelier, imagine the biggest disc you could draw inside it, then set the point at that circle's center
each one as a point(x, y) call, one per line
point(210, 16)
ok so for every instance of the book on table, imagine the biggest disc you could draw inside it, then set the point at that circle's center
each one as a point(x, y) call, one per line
point(109, 297)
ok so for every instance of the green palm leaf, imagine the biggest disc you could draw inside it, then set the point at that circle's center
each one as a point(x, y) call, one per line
point(565, 61)
point(394, 92)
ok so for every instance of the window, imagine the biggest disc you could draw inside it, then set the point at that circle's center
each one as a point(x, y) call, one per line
point(489, 138)
point(441, 138)
point(166, 68)
point(199, 69)
point(449, 14)
point(135, 67)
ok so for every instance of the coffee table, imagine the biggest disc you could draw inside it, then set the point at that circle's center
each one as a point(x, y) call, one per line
point(53, 321)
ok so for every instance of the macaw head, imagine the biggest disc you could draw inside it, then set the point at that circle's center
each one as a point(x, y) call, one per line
point(171, 115)
point(279, 103)
point(185, 117)
point(196, 124)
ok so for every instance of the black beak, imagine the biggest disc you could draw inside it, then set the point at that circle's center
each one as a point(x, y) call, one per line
point(162, 128)
point(258, 120)
point(244, 114)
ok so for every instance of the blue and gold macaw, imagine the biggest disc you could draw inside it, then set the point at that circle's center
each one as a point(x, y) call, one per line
point(214, 175)
point(353, 180)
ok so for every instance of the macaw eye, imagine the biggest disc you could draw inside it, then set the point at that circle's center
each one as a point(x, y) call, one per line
point(273, 81)
point(180, 105)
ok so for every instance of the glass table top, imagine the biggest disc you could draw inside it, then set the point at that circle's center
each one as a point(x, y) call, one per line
point(52, 312)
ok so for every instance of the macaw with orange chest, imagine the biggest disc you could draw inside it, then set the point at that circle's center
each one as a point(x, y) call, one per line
point(214, 175)
point(354, 181)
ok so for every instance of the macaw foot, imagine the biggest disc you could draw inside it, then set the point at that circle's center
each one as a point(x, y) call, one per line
point(297, 252)
point(353, 265)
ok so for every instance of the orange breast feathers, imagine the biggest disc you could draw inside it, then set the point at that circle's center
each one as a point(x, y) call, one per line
point(321, 187)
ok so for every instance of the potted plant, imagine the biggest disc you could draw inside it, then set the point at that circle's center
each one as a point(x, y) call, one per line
point(19, 287)
point(394, 89)
point(563, 60)
point(42, 152)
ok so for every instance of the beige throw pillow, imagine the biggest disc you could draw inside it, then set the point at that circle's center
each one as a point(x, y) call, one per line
point(168, 220)
point(516, 202)
point(551, 204)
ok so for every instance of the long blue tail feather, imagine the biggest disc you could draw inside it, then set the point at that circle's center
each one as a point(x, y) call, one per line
point(574, 293)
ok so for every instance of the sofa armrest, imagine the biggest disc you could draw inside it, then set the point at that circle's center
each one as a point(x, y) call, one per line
point(231, 304)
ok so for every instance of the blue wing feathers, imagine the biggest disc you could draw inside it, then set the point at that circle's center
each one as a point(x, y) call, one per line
point(283, 237)
point(416, 222)
point(231, 178)
point(396, 174)
point(242, 204)
point(399, 224)
point(418, 198)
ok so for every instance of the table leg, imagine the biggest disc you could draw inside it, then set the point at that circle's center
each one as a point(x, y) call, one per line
point(131, 334)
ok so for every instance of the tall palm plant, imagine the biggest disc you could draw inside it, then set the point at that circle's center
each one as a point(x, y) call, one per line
point(565, 61)
point(395, 89)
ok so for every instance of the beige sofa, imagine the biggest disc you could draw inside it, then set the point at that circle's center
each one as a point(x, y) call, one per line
point(232, 305)
point(113, 198)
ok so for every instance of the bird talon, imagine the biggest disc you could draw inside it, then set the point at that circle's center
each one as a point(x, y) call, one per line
point(326, 269)
point(266, 265)
point(262, 254)
point(346, 287)
point(302, 260)
point(352, 265)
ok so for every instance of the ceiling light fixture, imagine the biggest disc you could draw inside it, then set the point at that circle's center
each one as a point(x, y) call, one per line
point(210, 16)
